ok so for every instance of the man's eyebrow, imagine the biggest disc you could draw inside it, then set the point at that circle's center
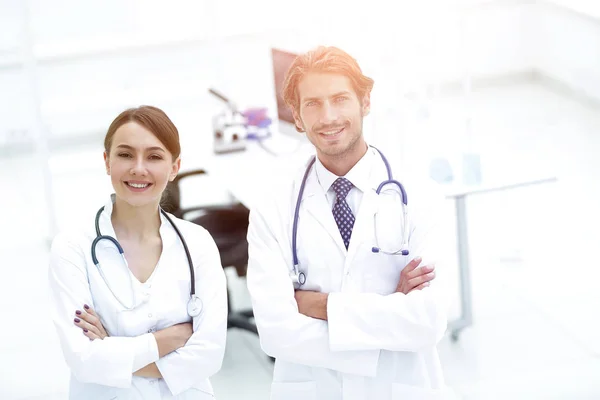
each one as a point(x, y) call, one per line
point(342, 93)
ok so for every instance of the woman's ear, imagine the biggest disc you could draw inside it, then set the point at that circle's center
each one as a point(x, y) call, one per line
point(106, 163)
point(175, 169)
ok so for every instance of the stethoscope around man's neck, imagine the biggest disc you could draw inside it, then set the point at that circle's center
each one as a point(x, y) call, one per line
point(298, 277)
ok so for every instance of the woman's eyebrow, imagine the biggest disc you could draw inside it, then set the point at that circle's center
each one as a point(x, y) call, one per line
point(128, 147)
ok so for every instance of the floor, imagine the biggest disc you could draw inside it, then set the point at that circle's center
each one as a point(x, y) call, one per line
point(533, 262)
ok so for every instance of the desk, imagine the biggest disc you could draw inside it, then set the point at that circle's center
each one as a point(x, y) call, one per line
point(245, 173)
point(459, 194)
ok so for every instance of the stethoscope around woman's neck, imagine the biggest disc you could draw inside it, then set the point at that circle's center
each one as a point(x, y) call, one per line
point(298, 277)
point(194, 306)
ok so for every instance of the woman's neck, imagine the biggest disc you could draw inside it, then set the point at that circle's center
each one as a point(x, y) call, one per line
point(135, 223)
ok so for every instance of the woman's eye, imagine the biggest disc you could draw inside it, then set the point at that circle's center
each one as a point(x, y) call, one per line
point(125, 155)
point(155, 157)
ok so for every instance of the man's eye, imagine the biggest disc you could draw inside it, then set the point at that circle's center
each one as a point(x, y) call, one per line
point(125, 155)
point(340, 99)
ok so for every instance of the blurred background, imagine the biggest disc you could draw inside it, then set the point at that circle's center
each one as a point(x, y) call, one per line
point(498, 102)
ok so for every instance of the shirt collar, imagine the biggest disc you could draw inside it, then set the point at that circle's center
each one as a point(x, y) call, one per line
point(358, 175)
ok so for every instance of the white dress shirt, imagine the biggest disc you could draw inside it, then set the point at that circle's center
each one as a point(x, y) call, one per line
point(358, 176)
point(103, 369)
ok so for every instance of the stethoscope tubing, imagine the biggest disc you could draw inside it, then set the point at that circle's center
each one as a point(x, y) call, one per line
point(100, 237)
point(299, 276)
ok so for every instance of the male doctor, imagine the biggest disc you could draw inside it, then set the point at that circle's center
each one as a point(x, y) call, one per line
point(364, 325)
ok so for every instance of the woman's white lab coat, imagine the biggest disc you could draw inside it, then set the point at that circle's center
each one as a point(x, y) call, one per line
point(103, 369)
point(376, 344)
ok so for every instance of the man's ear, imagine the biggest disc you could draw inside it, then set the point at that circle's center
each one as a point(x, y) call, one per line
point(366, 104)
point(106, 163)
point(297, 121)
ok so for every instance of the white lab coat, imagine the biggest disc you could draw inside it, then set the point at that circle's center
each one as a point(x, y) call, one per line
point(375, 344)
point(103, 369)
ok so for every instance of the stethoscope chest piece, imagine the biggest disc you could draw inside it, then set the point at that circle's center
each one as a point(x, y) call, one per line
point(194, 306)
point(298, 278)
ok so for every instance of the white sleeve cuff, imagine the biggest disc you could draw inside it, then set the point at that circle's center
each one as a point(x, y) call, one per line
point(145, 351)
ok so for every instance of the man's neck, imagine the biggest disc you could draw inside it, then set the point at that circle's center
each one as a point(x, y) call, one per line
point(341, 164)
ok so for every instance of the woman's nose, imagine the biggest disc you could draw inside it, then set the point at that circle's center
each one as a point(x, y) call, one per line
point(139, 167)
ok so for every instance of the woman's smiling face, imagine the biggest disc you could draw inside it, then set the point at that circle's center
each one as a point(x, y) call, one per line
point(139, 165)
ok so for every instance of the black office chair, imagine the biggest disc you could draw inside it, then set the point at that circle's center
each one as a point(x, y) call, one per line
point(228, 225)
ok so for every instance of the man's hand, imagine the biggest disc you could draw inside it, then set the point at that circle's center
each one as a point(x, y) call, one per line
point(413, 278)
point(312, 304)
point(89, 322)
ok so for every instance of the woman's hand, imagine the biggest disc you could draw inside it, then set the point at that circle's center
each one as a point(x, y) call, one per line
point(173, 338)
point(90, 323)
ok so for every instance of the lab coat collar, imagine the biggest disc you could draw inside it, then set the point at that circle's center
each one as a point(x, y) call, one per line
point(364, 173)
point(315, 202)
point(359, 174)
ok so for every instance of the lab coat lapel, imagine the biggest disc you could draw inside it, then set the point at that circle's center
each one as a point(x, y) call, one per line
point(363, 224)
point(315, 202)
point(365, 218)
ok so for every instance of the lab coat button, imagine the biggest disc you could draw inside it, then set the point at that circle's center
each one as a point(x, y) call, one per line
point(150, 315)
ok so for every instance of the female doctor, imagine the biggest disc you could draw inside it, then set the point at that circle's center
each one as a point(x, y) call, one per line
point(149, 323)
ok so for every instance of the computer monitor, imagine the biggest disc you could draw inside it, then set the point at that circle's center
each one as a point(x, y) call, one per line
point(281, 63)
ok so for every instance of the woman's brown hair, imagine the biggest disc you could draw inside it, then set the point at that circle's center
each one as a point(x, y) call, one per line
point(152, 118)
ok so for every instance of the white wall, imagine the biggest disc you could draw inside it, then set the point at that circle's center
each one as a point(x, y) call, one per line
point(96, 60)
point(567, 44)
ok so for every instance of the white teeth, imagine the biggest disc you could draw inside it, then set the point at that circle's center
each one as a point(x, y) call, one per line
point(138, 185)
point(328, 133)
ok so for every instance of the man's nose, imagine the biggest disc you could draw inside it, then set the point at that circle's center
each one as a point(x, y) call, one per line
point(329, 114)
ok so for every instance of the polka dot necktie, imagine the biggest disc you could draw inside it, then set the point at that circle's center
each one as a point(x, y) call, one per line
point(341, 210)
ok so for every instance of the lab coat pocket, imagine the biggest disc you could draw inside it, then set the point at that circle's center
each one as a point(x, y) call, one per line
point(401, 392)
point(195, 394)
point(200, 391)
point(96, 392)
point(293, 391)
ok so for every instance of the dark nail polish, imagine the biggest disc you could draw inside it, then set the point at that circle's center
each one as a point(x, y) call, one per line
point(77, 320)
point(78, 312)
point(86, 306)
point(85, 330)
